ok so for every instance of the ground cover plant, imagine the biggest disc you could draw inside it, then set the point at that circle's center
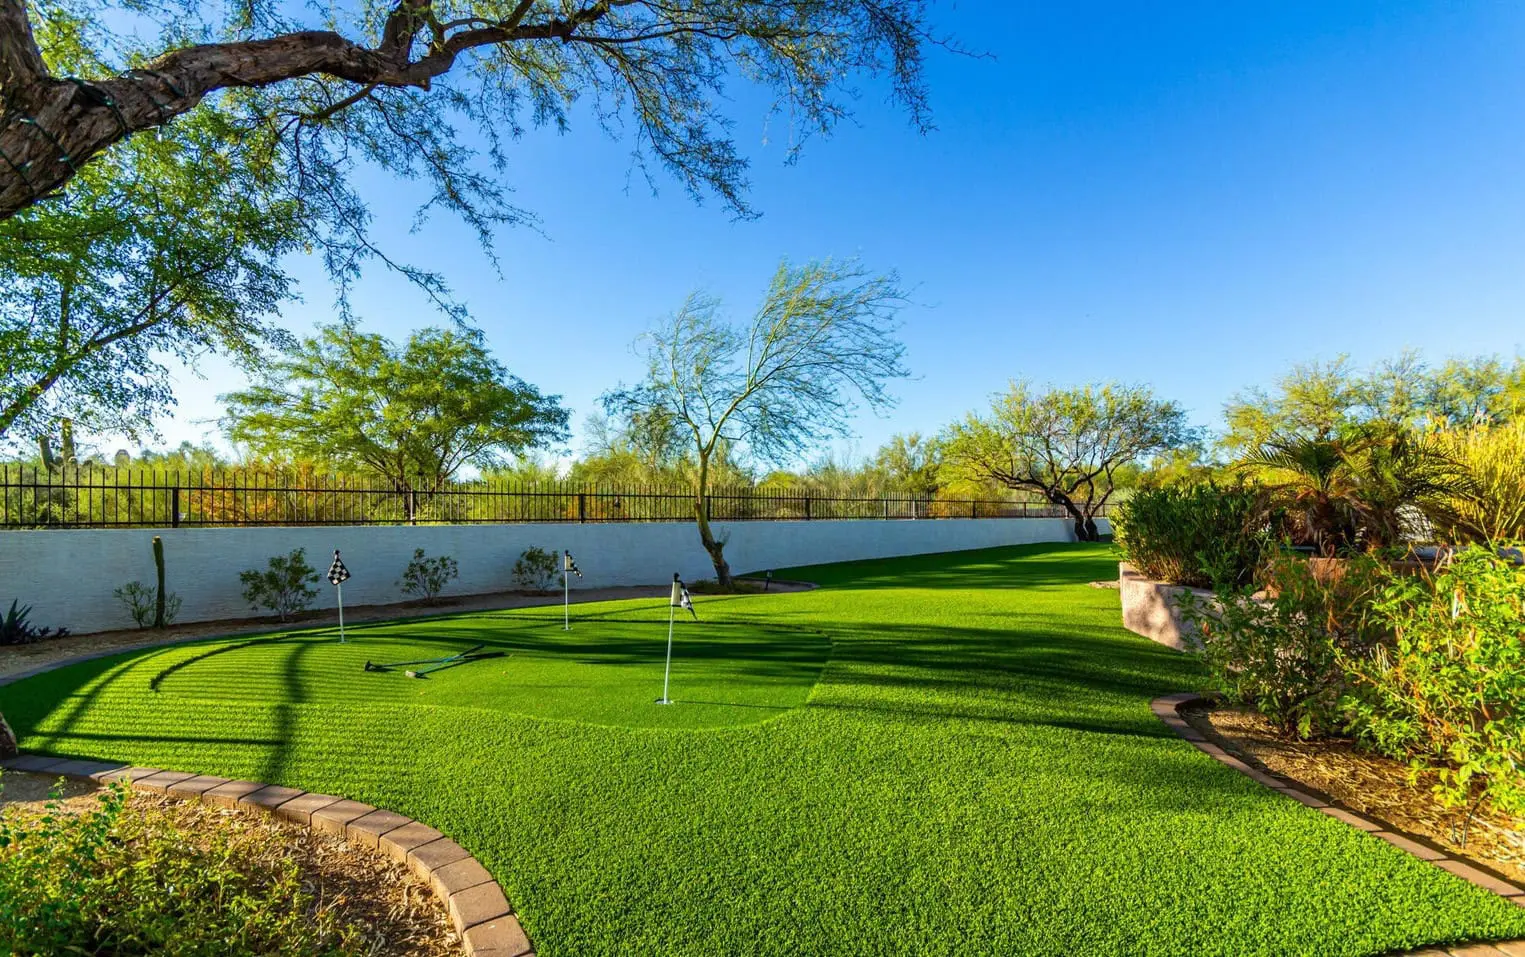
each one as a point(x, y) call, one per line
point(975, 769)
point(108, 882)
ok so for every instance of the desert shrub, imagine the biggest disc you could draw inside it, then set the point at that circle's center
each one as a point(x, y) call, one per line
point(16, 627)
point(108, 882)
point(284, 587)
point(536, 569)
point(142, 603)
point(1200, 534)
point(425, 578)
point(1494, 459)
point(1449, 694)
point(1284, 652)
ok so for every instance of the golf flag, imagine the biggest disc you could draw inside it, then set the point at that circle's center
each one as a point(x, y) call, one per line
point(568, 565)
point(680, 597)
point(337, 573)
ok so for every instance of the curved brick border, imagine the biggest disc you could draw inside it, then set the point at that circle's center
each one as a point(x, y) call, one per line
point(475, 902)
point(1168, 710)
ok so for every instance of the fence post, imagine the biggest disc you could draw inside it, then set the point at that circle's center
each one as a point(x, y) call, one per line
point(582, 506)
point(807, 508)
point(974, 509)
point(174, 507)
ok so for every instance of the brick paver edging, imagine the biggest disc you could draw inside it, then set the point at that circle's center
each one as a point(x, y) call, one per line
point(476, 904)
point(1168, 710)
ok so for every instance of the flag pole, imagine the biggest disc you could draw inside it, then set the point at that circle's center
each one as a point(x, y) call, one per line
point(566, 598)
point(667, 672)
point(339, 590)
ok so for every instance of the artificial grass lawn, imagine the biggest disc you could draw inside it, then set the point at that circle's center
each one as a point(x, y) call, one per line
point(976, 770)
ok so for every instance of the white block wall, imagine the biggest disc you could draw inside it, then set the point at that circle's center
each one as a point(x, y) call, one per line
point(67, 575)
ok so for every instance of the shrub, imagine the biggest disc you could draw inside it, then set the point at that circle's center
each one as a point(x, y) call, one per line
point(1494, 459)
point(536, 569)
point(1200, 534)
point(425, 578)
point(1284, 653)
point(17, 629)
point(109, 882)
point(1449, 695)
point(284, 587)
point(142, 603)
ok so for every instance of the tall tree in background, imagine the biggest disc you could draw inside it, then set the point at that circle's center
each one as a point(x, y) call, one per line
point(412, 414)
point(823, 338)
point(1336, 400)
point(1066, 444)
point(912, 463)
point(168, 247)
point(394, 81)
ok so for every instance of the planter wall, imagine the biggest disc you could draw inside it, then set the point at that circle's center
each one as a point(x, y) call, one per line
point(1152, 608)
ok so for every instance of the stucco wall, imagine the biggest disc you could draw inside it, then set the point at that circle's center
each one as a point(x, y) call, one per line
point(67, 575)
point(1151, 608)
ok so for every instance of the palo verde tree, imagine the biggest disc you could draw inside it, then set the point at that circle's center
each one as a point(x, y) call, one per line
point(822, 340)
point(1065, 444)
point(412, 414)
point(396, 82)
point(168, 246)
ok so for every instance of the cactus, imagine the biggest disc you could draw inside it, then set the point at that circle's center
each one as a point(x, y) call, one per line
point(159, 595)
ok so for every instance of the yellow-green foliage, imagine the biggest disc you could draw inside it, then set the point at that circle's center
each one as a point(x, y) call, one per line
point(1494, 457)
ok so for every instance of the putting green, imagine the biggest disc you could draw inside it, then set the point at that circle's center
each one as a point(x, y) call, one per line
point(607, 670)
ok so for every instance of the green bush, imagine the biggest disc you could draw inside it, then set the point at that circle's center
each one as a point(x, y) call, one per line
point(142, 603)
point(1201, 534)
point(1284, 652)
point(1449, 694)
point(285, 587)
point(536, 569)
point(425, 578)
point(108, 882)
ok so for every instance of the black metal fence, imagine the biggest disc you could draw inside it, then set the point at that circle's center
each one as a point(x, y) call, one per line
point(127, 497)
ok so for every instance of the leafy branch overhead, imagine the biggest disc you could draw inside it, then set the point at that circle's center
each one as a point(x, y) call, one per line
point(394, 82)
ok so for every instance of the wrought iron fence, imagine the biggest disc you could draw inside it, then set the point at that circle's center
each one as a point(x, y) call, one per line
point(127, 497)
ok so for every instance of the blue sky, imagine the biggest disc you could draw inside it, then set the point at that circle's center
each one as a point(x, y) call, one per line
point(1191, 195)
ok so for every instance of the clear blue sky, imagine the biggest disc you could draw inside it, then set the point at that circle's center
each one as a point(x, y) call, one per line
point(1192, 195)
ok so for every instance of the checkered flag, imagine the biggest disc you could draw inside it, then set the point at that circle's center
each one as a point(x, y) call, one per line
point(568, 565)
point(680, 597)
point(337, 573)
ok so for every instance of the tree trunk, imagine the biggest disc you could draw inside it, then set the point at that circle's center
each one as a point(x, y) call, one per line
point(1085, 525)
point(715, 548)
point(7, 740)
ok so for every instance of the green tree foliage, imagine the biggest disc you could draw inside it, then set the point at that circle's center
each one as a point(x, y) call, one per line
point(437, 92)
point(1325, 400)
point(911, 464)
point(167, 246)
point(413, 414)
point(1065, 444)
point(822, 338)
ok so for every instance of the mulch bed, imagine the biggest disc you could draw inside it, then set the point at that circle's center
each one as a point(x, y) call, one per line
point(361, 887)
point(1373, 785)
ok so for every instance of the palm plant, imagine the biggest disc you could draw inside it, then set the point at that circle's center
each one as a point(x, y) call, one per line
point(1363, 490)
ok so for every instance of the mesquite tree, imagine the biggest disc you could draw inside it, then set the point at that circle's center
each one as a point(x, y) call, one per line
point(413, 413)
point(823, 337)
point(1066, 444)
point(394, 81)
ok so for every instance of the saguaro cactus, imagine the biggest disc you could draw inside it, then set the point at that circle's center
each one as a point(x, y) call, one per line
point(159, 594)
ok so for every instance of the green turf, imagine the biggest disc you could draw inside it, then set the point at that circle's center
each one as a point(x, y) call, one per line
point(975, 770)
